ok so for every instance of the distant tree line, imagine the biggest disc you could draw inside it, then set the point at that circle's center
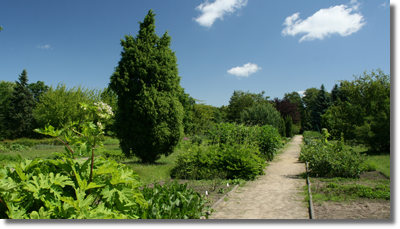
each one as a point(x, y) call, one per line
point(153, 112)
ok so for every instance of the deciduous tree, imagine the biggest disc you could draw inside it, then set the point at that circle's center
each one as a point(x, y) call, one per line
point(364, 115)
point(240, 101)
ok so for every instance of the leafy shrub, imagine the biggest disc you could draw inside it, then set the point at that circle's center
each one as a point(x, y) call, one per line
point(332, 160)
point(197, 139)
point(309, 137)
point(172, 201)
point(262, 114)
point(51, 189)
point(18, 147)
point(6, 159)
point(267, 138)
point(230, 161)
point(3, 148)
point(116, 155)
point(296, 129)
point(230, 133)
point(269, 142)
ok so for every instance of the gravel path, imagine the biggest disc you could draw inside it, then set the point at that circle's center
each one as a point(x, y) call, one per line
point(275, 195)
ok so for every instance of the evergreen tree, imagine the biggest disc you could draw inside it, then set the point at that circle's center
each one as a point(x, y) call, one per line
point(149, 118)
point(6, 91)
point(335, 94)
point(289, 126)
point(282, 130)
point(20, 116)
point(322, 103)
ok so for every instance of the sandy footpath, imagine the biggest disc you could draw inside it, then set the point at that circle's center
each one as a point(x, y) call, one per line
point(274, 195)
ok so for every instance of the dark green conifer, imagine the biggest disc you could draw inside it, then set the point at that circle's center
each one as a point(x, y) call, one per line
point(149, 118)
point(289, 126)
point(322, 103)
point(20, 118)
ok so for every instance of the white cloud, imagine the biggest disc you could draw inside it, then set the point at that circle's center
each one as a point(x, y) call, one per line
point(384, 5)
point(245, 70)
point(302, 93)
point(339, 19)
point(217, 9)
point(44, 47)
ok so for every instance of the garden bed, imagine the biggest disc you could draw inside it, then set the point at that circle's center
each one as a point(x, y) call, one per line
point(346, 206)
point(202, 186)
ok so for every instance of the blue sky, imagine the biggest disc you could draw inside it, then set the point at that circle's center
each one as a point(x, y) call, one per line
point(221, 45)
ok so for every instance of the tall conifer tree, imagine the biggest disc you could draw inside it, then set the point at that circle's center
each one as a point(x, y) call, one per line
point(149, 118)
point(322, 103)
point(20, 116)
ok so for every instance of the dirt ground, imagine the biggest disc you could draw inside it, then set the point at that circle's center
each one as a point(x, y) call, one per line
point(357, 209)
point(364, 209)
point(275, 195)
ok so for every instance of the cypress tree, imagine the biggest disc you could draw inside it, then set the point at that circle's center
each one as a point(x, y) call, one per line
point(20, 116)
point(289, 126)
point(149, 118)
point(322, 104)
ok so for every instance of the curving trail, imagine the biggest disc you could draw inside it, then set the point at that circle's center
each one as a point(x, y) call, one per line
point(274, 195)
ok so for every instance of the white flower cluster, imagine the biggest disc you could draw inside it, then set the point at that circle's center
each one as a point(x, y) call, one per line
point(99, 125)
point(104, 108)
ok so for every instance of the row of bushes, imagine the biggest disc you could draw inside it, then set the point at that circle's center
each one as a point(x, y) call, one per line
point(45, 141)
point(229, 151)
point(331, 159)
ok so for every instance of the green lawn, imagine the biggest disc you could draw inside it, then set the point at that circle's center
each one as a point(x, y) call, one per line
point(378, 160)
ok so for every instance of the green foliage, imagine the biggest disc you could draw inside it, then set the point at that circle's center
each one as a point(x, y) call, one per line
point(332, 160)
point(310, 137)
point(6, 90)
point(381, 191)
point(308, 101)
point(241, 101)
point(322, 103)
point(262, 114)
point(111, 141)
point(296, 129)
point(269, 142)
point(267, 138)
point(289, 126)
point(364, 115)
point(188, 105)
point(38, 89)
point(20, 120)
point(60, 105)
point(203, 116)
point(282, 130)
point(18, 147)
point(172, 201)
point(52, 189)
point(146, 81)
point(116, 155)
point(109, 97)
point(230, 161)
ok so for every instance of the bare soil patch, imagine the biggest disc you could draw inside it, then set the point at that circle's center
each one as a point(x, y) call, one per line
point(361, 209)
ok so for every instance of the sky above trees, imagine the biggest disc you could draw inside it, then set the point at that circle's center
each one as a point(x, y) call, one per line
point(221, 45)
